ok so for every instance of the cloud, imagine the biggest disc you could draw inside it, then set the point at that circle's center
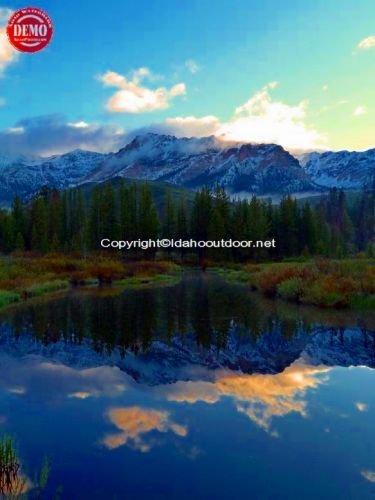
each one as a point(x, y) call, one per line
point(52, 134)
point(260, 120)
point(361, 406)
point(7, 53)
point(367, 43)
point(263, 120)
point(359, 111)
point(192, 66)
point(261, 397)
point(193, 126)
point(133, 97)
point(135, 422)
point(25, 377)
point(369, 475)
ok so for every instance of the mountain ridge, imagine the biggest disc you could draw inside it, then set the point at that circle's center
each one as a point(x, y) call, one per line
point(192, 162)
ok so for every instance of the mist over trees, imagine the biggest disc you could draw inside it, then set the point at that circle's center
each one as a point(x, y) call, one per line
point(76, 221)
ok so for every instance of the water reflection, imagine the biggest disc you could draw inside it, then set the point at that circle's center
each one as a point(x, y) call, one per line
point(222, 324)
point(164, 376)
point(135, 422)
point(259, 397)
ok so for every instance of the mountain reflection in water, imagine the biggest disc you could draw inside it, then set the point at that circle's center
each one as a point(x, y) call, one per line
point(138, 370)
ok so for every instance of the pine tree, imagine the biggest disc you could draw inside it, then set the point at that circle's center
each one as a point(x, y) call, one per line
point(148, 218)
point(200, 214)
point(19, 221)
point(170, 218)
point(182, 230)
point(39, 225)
point(94, 232)
point(108, 213)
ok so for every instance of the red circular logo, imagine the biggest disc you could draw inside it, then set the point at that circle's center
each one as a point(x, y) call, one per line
point(30, 29)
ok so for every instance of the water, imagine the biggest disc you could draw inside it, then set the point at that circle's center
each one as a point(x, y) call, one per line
point(197, 390)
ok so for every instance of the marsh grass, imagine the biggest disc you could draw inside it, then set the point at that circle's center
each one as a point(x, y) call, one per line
point(25, 276)
point(7, 297)
point(12, 483)
point(49, 287)
point(347, 283)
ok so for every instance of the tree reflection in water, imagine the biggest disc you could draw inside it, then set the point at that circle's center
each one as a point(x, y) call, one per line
point(203, 306)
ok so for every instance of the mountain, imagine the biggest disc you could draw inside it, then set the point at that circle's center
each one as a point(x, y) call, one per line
point(242, 169)
point(24, 176)
point(196, 162)
point(341, 169)
point(182, 359)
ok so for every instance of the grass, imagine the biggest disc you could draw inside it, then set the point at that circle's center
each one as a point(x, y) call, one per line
point(167, 278)
point(347, 283)
point(12, 484)
point(8, 455)
point(24, 276)
point(49, 287)
point(7, 298)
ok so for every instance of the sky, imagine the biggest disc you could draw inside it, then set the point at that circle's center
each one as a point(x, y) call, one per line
point(297, 73)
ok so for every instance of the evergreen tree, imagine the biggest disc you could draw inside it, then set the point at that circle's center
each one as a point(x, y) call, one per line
point(148, 218)
point(170, 218)
point(39, 225)
point(94, 233)
point(109, 223)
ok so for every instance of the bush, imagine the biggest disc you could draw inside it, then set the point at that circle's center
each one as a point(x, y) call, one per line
point(43, 288)
point(319, 298)
point(268, 280)
point(7, 298)
point(291, 289)
point(107, 271)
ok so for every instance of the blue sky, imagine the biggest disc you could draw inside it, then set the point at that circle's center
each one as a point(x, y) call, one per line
point(295, 71)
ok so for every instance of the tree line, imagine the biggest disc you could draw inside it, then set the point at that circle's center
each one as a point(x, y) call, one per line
point(77, 220)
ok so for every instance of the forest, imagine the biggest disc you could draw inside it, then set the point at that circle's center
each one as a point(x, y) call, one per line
point(76, 220)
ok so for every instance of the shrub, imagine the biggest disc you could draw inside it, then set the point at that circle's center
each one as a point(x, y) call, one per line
point(43, 288)
point(107, 271)
point(320, 296)
point(268, 280)
point(291, 289)
point(7, 298)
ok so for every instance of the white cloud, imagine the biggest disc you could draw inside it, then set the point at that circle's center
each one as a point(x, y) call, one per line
point(133, 97)
point(263, 120)
point(16, 130)
point(7, 53)
point(193, 126)
point(369, 475)
point(367, 43)
point(359, 111)
point(259, 120)
point(273, 85)
point(192, 66)
point(361, 406)
point(80, 124)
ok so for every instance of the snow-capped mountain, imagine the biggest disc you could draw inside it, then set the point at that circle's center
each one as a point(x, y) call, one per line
point(195, 162)
point(341, 169)
point(192, 163)
point(181, 359)
point(23, 176)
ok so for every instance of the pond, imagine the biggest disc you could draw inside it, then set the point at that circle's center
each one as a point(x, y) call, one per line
point(201, 389)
